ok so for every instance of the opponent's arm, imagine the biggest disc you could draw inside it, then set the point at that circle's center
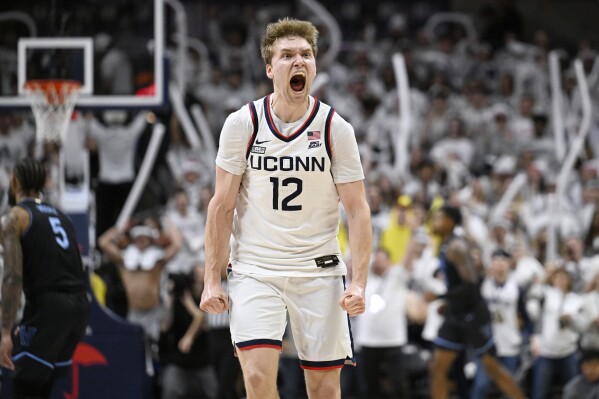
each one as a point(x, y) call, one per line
point(13, 225)
point(458, 254)
point(353, 198)
point(219, 221)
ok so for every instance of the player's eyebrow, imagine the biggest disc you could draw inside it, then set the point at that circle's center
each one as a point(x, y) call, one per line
point(291, 49)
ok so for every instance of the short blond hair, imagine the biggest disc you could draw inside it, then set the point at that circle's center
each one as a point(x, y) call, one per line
point(284, 28)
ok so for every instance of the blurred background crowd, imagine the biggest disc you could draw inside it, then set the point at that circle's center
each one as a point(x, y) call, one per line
point(481, 137)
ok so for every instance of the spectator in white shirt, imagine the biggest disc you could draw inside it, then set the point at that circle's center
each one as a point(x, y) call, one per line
point(590, 335)
point(500, 237)
point(527, 269)
point(456, 146)
point(190, 224)
point(582, 268)
point(542, 145)
point(522, 123)
point(475, 112)
point(383, 327)
point(12, 148)
point(507, 307)
point(115, 142)
point(454, 153)
point(558, 331)
point(501, 139)
point(436, 122)
point(423, 187)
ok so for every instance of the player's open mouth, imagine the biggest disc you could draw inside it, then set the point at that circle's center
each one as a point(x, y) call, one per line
point(298, 82)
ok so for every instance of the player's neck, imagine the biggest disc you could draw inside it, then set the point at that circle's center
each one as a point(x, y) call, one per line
point(286, 110)
point(29, 195)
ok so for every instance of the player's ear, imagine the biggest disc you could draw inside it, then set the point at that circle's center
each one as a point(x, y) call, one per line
point(13, 187)
point(269, 71)
point(14, 183)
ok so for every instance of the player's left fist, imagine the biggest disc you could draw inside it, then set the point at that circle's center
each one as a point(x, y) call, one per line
point(353, 301)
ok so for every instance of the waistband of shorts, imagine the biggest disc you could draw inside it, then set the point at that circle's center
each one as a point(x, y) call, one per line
point(243, 267)
point(54, 291)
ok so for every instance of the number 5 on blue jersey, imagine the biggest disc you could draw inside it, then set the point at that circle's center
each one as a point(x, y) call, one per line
point(61, 235)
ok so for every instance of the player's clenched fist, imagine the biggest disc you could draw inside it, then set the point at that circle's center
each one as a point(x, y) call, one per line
point(353, 301)
point(214, 299)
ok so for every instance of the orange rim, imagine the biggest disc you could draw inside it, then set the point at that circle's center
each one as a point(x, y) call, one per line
point(54, 90)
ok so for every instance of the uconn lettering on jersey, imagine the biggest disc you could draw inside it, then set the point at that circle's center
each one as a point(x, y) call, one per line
point(287, 163)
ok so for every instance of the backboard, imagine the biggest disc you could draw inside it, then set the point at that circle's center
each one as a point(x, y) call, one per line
point(114, 48)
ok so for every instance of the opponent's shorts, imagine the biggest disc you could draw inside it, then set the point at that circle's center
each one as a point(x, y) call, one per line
point(467, 330)
point(52, 326)
point(320, 327)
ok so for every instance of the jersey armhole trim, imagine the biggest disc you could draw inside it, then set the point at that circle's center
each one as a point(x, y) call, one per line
point(327, 133)
point(24, 233)
point(254, 115)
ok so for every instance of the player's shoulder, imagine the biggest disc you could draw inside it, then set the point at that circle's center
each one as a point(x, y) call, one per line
point(258, 105)
point(23, 207)
point(338, 123)
point(16, 220)
point(247, 115)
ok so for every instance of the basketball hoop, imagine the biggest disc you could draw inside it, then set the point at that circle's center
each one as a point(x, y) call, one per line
point(52, 102)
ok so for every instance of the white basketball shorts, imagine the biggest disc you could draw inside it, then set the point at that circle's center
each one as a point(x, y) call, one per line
point(321, 329)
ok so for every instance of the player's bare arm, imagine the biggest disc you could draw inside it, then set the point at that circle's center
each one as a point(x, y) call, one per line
point(458, 253)
point(219, 222)
point(12, 225)
point(353, 198)
point(108, 245)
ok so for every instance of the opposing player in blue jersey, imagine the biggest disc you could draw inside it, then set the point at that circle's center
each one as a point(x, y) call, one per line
point(467, 322)
point(283, 163)
point(42, 260)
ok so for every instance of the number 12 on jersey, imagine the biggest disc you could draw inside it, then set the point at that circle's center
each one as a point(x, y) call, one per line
point(285, 206)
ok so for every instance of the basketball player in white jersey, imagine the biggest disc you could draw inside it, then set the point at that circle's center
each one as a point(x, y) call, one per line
point(283, 164)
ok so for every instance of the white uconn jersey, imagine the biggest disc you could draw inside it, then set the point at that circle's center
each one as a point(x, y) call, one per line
point(287, 213)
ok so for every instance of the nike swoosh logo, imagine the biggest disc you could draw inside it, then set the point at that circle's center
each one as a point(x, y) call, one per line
point(261, 142)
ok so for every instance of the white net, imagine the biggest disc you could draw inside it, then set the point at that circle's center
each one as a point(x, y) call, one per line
point(52, 102)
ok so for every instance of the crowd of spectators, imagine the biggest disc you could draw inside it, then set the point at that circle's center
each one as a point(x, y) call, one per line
point(481, 118)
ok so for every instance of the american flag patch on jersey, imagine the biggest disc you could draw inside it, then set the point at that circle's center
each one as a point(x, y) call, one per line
point(314, 135)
